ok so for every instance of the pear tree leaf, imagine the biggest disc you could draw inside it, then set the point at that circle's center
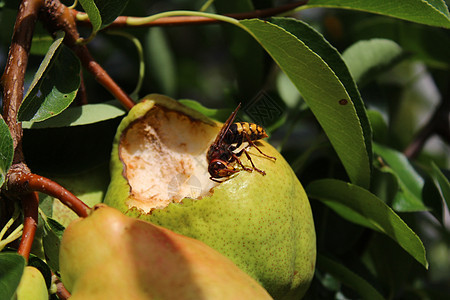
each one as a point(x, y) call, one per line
point(365, 59)
point(102, 12)
point(359, 206)
point(442, 182)
point(424, 43)
point(409, 196)
point(6, 150)
point(54, 86)
point(428, 12)
point(161, 60)
point(80, 115)
point(348, 277)
point(320, 75)
point(41, 44)
point(216, 114)
point(12, 266)
point(53, 232)
point(379, 126)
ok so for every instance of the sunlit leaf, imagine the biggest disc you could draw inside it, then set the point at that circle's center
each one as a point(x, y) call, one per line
point(365, 59)
point(429, 12)
point(103, 12)
point(80, 115)
point(326, 86)
point(410, 182)
point(54, 86)
point(359, 206)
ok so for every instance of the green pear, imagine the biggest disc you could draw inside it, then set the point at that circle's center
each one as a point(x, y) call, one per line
point(263, 223)
point(32, 285)
point(108, 255)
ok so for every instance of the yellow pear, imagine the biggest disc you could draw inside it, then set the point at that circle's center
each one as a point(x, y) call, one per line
point(108, 255)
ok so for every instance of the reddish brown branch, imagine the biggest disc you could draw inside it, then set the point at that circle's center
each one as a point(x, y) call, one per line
point(57, 16)
point(13, 78)
point(61, 291)
point(102, 77)
point(30, 203)
point(191, 20)
point(20, 182)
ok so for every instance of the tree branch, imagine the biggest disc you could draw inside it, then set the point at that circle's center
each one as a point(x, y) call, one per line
point(123, 21)
point(30, 203)
point(23, 183)
point(56, 17)
point(12, 81)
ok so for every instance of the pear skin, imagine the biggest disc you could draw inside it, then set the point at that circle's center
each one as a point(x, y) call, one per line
point(263, 223)
point(112, 256)
point(32, 285)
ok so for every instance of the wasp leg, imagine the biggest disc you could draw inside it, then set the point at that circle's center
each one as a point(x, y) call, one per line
point(253, 165)
point(250, 142)
point(217, 180)
point(240, 163)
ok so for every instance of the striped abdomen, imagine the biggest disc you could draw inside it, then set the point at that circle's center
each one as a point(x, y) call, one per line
point(241, 131)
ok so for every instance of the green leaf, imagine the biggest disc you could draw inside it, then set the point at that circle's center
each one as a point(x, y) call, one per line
point(54, 86)
point(93, 13)
point(103, 12)
point(365, 59)
point(41, 44)
point(442, 182)
point(162, 62)
point(348, 277)
point(320, 75)
point(12, 266)
point(53, 232)
point(359, 206)
point(429, 12)
point(379, 126)
point(6, 150)
point(424, 43)
point(80, 115)
point(409, 196)
point(216, 114)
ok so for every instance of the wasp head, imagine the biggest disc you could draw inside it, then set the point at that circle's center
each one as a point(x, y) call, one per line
point(218, 168)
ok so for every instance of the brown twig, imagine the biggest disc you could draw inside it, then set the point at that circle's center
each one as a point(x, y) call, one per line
point(13, 78)
point(102, 77)
point(57, 16)
point(192, 20)
point(21, 182)
point(30, 203)
point(61, 291)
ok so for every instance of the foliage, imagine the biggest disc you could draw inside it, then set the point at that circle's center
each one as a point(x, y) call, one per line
point(355, 95)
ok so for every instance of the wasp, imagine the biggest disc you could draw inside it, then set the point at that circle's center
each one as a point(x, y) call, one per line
point(233, 140)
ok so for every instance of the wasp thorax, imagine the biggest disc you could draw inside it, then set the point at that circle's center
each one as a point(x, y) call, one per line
point(164, 158)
